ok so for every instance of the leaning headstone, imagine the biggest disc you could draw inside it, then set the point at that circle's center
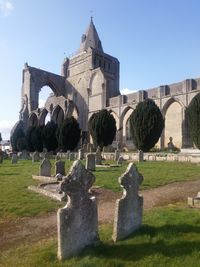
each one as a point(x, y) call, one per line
point(14, 159)
point(90, 162)
point(77, 221)
point(80, 154)
point(45, 168)
point(1, 156)
point(98, 157)
point(117, 155)
point(35, 156)
point(71, 156)
point(120, 160)
point(60, 167)
point(57, 157)
point(128, 209)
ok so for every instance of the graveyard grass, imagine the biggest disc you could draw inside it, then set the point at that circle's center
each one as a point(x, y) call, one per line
point(170, 236)
point(16, 200)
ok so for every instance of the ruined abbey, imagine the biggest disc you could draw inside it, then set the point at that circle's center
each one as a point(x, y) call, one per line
point(89, 81)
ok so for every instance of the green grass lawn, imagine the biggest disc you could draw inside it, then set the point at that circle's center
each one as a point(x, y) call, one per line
point(170, 237)
point(155, 174)
point(17, 200)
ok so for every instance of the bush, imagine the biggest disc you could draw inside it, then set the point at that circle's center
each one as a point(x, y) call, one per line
point(146, 124)
point(102, 127)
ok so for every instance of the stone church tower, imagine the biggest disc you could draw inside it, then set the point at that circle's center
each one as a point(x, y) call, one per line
point(87, 81)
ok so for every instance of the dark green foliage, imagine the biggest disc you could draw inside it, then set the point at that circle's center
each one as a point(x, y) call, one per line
point(146, 124)
point(49, 136)
point(193, 115)
point(69, 134)
point(0, 137)
point(16, 136)
point(21, 144)
point(34, 139)
point(102, 127)
point(29, 142)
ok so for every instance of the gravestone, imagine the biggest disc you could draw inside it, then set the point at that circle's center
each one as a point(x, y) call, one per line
point(71, 156)
point(67, 154)
point(60, 167)
point(77, 221)
point(117, 155)
point(35, 156)
point(120, 160)
point(98, 156)
point(90, 162)
point(57, 157)
point(14, 159)
point(80, 154)
point(128, 209)
point(45, 168)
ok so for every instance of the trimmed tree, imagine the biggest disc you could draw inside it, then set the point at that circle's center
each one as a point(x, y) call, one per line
point(102, 127)
point(146, 125)
point(16, 137)
point(49, 136)
point(69, 134)
point(34, 139)
point(193, 115)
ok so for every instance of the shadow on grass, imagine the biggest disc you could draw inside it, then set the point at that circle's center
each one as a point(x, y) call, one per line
point(167, 240)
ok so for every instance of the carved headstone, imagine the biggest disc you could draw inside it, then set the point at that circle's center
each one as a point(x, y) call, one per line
point(35, 156)
point(14, 159)
point(45, 168)
point(120, 160)
point(128, 209)
point(90, 162)
point(80, 154)
point(77, 221)
point(98, 156)
point(117, 155)
point(60, 167)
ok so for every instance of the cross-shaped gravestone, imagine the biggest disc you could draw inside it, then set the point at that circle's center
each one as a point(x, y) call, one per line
point(128, 209)
point(77, 221)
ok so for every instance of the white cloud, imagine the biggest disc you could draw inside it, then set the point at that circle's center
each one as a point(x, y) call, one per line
point(6, 7)
point(126, 91)
point(5, 128)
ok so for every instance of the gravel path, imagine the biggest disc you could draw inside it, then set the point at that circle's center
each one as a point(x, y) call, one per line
point(29, 230)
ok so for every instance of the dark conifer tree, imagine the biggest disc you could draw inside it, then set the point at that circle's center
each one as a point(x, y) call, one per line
point(49, 136)
point(193, 115)
point(102, 127)
point(146, 125)
point(69, 134)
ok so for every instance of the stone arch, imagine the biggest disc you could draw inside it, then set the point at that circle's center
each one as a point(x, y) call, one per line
point(75, 113)
point(42, 116)
point(33, 120)
point(58, 115)
point(95, 84)
point(173, 112)
point(124, 122)
point(116, 117)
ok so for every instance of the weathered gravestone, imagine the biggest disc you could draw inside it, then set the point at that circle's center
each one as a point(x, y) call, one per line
point(120, 160)
point(128, 209)
point(77, 221)
point(80, 154)
point(71, 156)
point(60, 167)
point(90, 162)
point(57, 157)
point(35, 156)
point(45, 168)
point(98, 156)
point(14, 159)
point(117, 155)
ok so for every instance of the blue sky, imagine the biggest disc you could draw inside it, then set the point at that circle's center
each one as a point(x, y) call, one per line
point(156, 41)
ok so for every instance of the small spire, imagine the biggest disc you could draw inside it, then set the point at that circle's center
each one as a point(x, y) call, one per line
point(90, 38)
